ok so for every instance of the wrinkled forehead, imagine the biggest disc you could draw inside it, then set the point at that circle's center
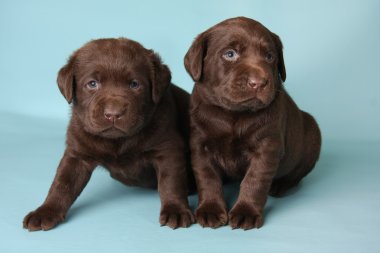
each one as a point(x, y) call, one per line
point(112, 59)
point(237, 35)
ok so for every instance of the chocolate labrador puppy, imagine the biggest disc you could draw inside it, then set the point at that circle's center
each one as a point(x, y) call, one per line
point(244, 126)
point(126, 117)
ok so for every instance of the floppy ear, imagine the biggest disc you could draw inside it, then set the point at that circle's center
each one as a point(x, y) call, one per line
point(65, 80)
point(161, 77)
point(194, 57)
point(281, 64)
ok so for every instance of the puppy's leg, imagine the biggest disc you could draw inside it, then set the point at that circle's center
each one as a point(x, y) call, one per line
point(72, 176)
point(311, 150)
point(172, 186)
point(247, 212)
point(212, 209)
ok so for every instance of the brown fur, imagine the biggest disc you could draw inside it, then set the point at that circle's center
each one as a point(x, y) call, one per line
point(244, 126)
point(135, 131)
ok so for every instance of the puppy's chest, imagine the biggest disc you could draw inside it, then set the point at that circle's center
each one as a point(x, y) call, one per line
point(134, 168)
point(228, 142)
point(230, 154)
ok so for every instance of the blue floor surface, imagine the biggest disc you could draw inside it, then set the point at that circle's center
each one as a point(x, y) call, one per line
point(335, 209)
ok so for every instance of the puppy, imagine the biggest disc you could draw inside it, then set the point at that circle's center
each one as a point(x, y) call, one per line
point(244, 126)
point(126, 118)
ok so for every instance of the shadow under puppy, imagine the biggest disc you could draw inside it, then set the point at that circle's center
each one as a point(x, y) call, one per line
point(244, 126)
point(126, 117)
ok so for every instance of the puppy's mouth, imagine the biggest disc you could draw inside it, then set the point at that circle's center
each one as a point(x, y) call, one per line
point(113, 132)
point(245, 100)
point(251, 103)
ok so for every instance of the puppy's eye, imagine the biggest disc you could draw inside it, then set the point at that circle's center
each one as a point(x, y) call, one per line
point(269, 57)
point(134, 84)
point(92, 85)
point(231, 55)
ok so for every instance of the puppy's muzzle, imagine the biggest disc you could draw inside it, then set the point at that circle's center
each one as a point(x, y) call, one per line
point(256, 82)
point(115, 111)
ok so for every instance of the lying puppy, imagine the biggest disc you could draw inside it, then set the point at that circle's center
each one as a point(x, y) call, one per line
point(126, 118)
point(244, 125)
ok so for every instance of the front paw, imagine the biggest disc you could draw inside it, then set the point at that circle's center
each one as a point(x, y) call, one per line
point(175, 215)
point(245, 216)
point(211, 214)
point(44, 218)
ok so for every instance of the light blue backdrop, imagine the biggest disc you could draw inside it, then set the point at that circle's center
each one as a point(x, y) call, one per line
point(332, 57)
point(332, 50)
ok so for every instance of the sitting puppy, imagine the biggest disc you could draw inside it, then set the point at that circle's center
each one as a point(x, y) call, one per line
point(126, 117)
point(244, 125)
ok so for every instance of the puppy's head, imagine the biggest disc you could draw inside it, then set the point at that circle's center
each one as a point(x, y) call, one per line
point(239, 63)
point(114, 85)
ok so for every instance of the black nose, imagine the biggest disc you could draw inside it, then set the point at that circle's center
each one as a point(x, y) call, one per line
point(113, 114)
point(257, 82)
